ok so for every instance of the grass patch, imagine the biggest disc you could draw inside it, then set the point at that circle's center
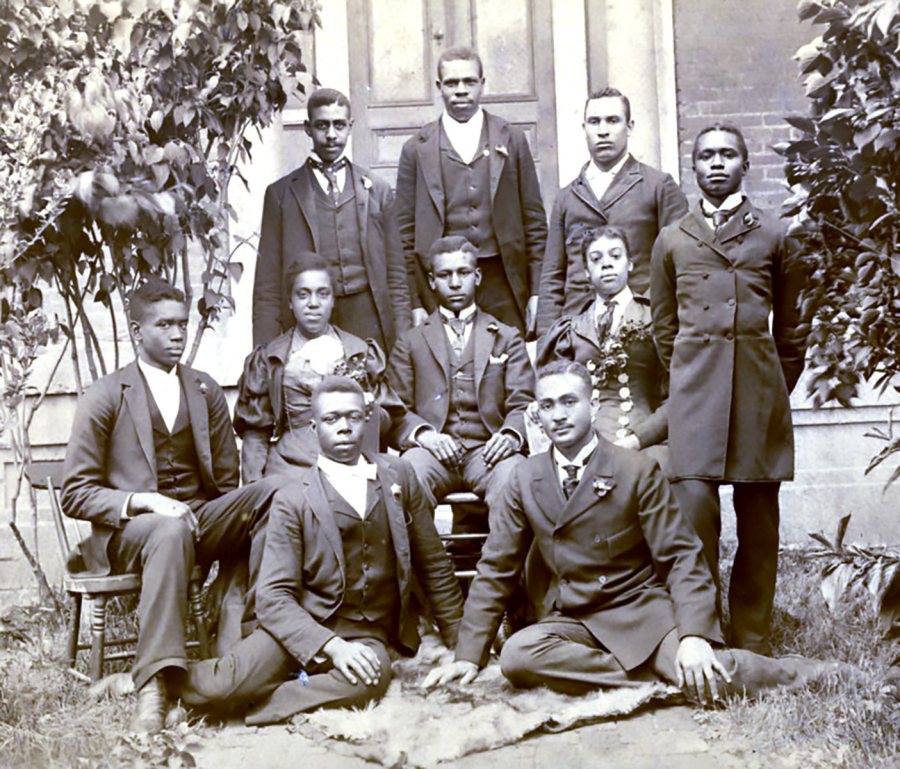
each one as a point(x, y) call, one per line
point(851, 721)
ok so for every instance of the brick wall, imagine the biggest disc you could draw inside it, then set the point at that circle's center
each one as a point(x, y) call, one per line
point(733, 63)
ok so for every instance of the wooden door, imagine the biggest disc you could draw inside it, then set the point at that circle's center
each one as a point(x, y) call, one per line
point(394, 48)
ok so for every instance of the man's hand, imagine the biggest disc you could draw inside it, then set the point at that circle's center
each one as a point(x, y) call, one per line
point(355, 661)
point(459, 670)
point(447, 450)
point(630, 441)
point(498, 447)
point(531, 316)
point(418, 316)
point(154, 502)
point(697, 666)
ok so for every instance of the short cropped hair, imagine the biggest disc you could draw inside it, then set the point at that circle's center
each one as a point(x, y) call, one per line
point(154, 289)
point(323, 97)
point(560, 366)
point(333, 383)
point(727, 128)
point(308, 261)
point(449, 245)
point(609, 91)
point(590, 234)
point(460, 53)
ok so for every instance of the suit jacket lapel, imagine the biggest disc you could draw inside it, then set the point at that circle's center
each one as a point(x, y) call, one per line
point(584, 326)
point(199, 413)
point(301, 188)
point(483, 343)
point(629, 175)
point(385, 485)
point(436, 338)
point(546, 489)
point(583, 191)
point(362, 205)
point(694, 225)
point(584, 497)
point(135, 396)
point(317, 500)
point(497, 136)
point(430, 163)
point(742, 221)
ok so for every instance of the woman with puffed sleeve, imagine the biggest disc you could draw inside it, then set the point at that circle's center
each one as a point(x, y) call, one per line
point(273, 412)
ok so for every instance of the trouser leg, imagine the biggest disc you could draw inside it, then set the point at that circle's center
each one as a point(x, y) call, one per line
point(489, 482)
point(560, 653)
point(495, 294)
point(162, 550)
point(698, 501)
point(435, 479)
point(323, 686)
point(752, 591)
point(358, 314)
point(250, 671)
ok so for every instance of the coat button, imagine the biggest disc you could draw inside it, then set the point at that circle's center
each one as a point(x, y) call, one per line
point(601, 580)
point(740, 239)
point(598, 539)
point(705, 276)
point(731, 302)
point(706, 337)
point(730, 268)
point(705, 306)
point(729, 336)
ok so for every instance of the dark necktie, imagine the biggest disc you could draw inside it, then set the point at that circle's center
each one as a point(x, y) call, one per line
point(458, 327)
point(604, 322)
point(570, 481)
point(330, 172)
point(720, 217)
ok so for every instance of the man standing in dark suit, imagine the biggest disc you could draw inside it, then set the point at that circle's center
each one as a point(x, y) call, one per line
point(718, 274)
point(152, 464)
point(468, 376)
point(471, 174)
point(632, 598)
point(612, 188)
point(338, 210)
point(343, 544)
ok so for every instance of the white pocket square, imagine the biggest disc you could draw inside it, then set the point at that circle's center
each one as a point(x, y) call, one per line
point(498, 360)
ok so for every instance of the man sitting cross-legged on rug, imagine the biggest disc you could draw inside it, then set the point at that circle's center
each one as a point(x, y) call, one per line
point(152, 464)
point(468, 376)
point(633, 597)
point(334, 592)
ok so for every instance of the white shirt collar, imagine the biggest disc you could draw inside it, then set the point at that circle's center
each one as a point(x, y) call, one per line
point(594, 171)
point(465, 314)
point(580, 459)
point(465, 137)
point(165, 389)
point(350, 481)
point(731, 202)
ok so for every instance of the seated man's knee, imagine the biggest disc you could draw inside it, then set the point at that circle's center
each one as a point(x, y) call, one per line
point(517, 661)
point(170, 533)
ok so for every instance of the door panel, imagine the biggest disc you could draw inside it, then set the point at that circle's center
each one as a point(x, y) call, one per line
point(395, 45)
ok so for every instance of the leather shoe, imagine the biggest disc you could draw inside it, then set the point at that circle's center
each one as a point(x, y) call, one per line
point(150, 710)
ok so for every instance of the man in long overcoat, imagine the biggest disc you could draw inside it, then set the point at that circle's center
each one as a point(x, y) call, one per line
point(717, 274)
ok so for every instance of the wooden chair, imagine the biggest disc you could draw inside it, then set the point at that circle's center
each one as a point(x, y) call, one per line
point(462, 498)
point(98, 590)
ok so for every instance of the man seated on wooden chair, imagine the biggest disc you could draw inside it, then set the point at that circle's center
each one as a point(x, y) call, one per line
point(152, 464)
point(343, 541)
point(633, 597)
point(469, 377)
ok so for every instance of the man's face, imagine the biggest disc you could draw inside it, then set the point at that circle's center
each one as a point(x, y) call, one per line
point(608, 265)
point(719, 165)
point(312, 300)
point(565, 410)
point(162, 332)
point(461, 85)
point(338, 420)
point(606, 130)
point(453, 278)
point(329, 128)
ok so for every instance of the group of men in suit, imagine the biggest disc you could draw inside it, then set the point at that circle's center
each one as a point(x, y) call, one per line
point(450, 276)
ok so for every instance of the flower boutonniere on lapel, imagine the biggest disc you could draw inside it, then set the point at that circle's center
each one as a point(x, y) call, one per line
point(203, 389)
point(749, 219)
point(396, 491)
point(501, 150)
point(366, 182)
point(602, 486)
point(493, 328)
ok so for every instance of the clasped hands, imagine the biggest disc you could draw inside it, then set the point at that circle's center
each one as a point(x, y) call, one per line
point(449, 451)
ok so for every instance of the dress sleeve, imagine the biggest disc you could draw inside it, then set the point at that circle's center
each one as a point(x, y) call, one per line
point(254, 409)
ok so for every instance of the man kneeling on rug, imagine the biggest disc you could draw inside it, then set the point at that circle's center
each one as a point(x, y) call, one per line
point(334, 589)
point(632, 598)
